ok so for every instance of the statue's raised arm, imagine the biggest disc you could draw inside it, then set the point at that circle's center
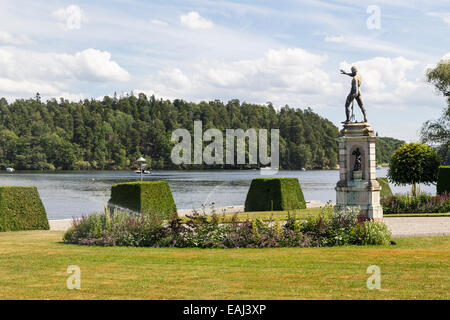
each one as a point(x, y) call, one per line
point(355, 93)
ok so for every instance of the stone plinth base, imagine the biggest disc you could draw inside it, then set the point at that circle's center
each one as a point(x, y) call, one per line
point(358, 188)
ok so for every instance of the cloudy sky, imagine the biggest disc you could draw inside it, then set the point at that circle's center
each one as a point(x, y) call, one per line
point(285, 52)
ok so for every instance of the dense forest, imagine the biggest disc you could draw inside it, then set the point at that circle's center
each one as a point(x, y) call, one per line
point(114, 132)
point(385, 147)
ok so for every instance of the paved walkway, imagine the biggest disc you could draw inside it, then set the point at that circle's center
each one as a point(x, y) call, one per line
point(418, 226)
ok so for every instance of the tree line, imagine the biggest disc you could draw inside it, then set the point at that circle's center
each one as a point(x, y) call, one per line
point(114, 132)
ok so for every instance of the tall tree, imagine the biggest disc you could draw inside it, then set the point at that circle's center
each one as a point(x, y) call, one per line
point(438, 131)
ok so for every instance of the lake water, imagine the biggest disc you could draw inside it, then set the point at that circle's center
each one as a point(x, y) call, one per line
point(76, 193)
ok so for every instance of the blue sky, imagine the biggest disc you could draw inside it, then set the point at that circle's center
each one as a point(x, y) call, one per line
point(286, 52)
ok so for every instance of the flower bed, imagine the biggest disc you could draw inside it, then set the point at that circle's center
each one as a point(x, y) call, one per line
point(327, 229)
point(424, 203)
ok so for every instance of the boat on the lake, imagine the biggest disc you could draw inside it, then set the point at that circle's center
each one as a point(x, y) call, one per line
point(10, 169)
point(143, 172)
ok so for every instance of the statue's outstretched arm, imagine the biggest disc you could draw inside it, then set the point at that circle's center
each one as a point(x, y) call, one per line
point(346, 73)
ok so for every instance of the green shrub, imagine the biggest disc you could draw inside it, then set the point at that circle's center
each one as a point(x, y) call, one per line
point(423, 203)
point(385, 188)
point(145, 197)
point(371, 233)
point(201, 231)
point(276, 194)
point(443, 183)
point(21, 208)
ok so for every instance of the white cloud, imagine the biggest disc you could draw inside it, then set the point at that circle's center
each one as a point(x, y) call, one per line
point(24, 72)
point(372, 44)
point(92, 64)
point(21, 87)
point(445, 16)
point(446, 56)
point(286, 76)
point(70, 18)
point(297, 77)
point(337, 39)
point(159, 23)
point(193, 20)
point(9, 38)
point(89, 64)
point(386, 83)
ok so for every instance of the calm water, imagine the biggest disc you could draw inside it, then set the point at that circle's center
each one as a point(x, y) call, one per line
point(72, 194)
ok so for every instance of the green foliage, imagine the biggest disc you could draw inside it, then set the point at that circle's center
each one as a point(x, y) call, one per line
point(413, 163)
point(423, 203)
point(385, 188)
point(274, 194)
point(437, 132)
point(440, 77)
point(385, 146)
point(329, 229)
point(148, 197)
point(371, 233)
point(21, 208)
point(443, 182)
point(114, 132)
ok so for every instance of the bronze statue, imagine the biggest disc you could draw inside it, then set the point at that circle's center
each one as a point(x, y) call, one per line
point(357, 165)
point(355, 93)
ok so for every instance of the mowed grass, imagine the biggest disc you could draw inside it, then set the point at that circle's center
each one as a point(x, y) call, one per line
point(33, 265)
point(268, 215)
point(301, 214)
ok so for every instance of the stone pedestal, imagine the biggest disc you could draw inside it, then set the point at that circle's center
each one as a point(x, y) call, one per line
point(358, 185)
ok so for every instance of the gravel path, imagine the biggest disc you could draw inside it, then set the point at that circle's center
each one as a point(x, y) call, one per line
point(418, 226)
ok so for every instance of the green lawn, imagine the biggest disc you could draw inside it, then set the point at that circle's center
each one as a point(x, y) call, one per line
point(33, 266)
point(266, 215)
point(303, 213)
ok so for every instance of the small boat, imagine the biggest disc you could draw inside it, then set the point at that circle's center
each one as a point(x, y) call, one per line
point(143, 172)
point(10, 170)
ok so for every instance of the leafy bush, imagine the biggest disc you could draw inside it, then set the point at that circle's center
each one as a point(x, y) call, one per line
point(21, 208)
point(385, 188)
point(412, 164)
point(202, 231)
point(371, 233)
point(443, 182)
point(145, 197)
point(423, 203)
point(276, 194)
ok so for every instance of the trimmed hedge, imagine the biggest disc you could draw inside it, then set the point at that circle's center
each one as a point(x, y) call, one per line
point(21, 208)
point(145, 197)
point(385, 188)
point(275, 194)
point(443, 182)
